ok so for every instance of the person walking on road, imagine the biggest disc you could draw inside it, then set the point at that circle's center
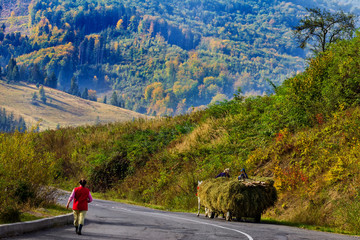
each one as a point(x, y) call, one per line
point(81, 196)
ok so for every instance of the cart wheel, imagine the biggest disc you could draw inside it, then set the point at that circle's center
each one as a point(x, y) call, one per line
point(228, 216)
point(258, 218)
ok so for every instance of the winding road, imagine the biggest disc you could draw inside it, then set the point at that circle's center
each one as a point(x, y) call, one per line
point(112, 220)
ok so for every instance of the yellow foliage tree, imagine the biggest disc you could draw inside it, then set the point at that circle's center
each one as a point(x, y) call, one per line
point(92, 95)
point(157, 93)
point(119, 25)
point(209, 80)
point(150, 88)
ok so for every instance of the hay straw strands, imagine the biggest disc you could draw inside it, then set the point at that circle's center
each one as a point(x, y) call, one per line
point(241, 199)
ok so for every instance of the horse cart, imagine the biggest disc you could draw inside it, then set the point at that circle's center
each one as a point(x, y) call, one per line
point(234, 198)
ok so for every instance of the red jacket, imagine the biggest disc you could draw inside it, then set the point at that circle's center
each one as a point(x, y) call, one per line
point(81, 198)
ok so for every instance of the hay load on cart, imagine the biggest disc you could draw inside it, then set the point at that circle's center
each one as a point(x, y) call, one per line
point(234, 198)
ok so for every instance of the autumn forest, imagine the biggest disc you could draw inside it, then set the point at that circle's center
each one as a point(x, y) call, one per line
point(153, 57)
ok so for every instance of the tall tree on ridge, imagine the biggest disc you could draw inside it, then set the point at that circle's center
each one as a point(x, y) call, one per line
point(321, 28)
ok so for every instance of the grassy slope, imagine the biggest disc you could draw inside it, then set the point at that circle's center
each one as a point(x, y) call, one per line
point(61, 108)
point(20, 21)
point(316, 171)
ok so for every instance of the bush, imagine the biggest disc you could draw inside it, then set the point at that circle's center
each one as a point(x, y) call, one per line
point(9, 214)
point(24, 167)
point(103, 177)
point(24, 192)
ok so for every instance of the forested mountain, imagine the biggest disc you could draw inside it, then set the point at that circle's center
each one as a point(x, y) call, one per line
point(156, 57)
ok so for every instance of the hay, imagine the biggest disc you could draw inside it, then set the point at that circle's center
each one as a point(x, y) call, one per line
point(241, 199)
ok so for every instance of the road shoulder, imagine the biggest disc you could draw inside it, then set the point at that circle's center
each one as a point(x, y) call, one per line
point(13, 229)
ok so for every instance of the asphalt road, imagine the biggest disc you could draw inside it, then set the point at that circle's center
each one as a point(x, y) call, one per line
point(111, 220)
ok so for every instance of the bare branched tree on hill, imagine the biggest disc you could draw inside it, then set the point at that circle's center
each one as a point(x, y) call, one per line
point(321, 28)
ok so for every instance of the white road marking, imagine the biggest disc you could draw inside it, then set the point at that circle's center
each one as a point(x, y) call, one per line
point(185, 219)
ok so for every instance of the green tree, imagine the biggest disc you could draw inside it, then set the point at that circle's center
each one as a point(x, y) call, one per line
point(36, 75)
point(12, 70)
point(42, 94)
point(21, 125)
point(51, 81)
point(34, 97)
point(16, 74)
point(321, 28)
point(74, 88)
point(114, 99)
point(23, 73)
point(85, 94)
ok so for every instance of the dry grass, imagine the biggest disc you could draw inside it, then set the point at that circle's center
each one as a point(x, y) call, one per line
point(207, 133)
point(243, 199)
point(61, 108)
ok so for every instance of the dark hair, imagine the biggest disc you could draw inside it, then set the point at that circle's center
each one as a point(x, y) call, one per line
point(82, 182)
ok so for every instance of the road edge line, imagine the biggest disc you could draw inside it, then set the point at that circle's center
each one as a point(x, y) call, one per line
point(14, 229)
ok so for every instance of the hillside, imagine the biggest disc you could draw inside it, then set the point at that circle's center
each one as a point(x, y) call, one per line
point(305, 136)
point(61, 109)
point(160, 57)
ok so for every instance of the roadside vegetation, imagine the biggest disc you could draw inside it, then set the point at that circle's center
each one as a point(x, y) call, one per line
point(305, 136)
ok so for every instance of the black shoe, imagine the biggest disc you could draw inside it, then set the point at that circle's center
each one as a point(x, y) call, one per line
point(80, 227)
point(76, 229)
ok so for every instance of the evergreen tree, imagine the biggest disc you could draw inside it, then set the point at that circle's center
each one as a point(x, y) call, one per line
point(34, 97)
point(21, 126)
point(105, 99)
point(82, 51)
point(74, 88)
point(10, 70)
point(36, 75)
point(90, 51)
point(51, 81)
point(23, 73)
point(42, 94)
point(8, 123)
point(16, 74)
point(114, 99)
point(85, 94)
